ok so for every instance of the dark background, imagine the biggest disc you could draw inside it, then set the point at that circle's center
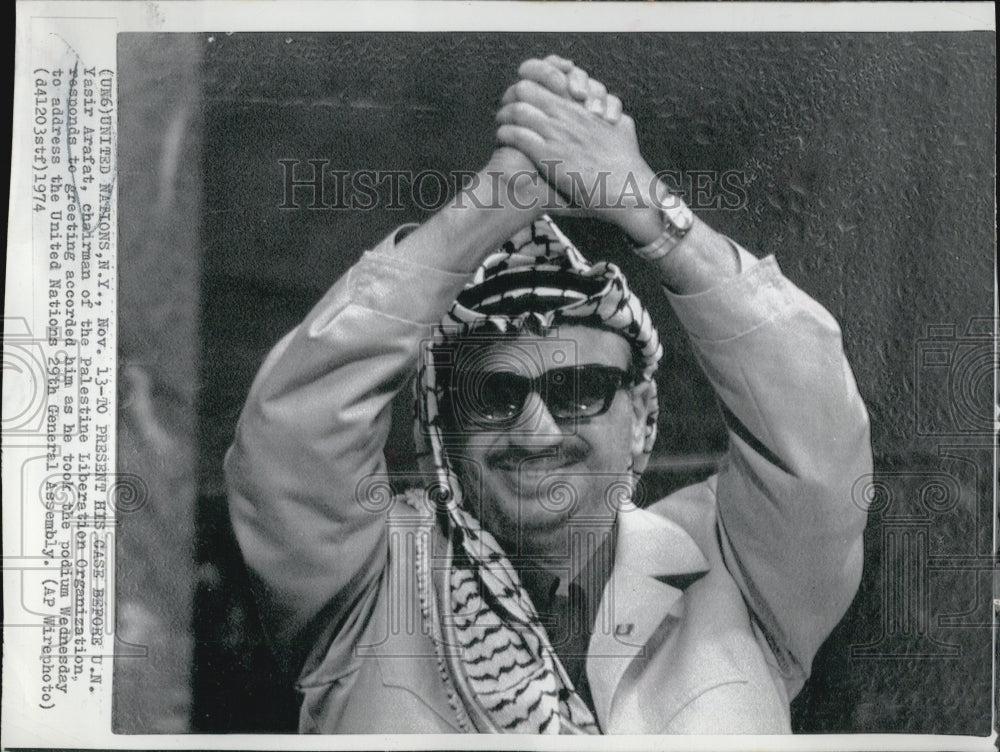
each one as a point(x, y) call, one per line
point(868, 163)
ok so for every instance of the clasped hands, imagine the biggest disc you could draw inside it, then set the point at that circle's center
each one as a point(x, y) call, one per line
point(562, 123)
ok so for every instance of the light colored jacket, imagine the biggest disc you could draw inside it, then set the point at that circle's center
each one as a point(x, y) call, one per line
point(721, 593)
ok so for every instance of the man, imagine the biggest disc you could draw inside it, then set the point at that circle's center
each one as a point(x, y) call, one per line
point(522, 589)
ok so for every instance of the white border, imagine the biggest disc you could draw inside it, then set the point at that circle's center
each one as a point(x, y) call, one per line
point(469, 15)
point(393, 15)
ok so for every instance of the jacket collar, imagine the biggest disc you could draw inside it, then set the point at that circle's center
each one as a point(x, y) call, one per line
point(655, 559)
point(652, 545)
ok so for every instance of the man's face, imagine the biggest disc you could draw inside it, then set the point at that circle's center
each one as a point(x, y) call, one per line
point(541, 472)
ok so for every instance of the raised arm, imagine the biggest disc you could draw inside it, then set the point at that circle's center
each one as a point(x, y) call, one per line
point(790, 526)
point(318, 413)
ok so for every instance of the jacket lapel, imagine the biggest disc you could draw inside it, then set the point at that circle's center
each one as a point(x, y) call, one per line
point(408, 652)
point(419, 675)
point(654, 559)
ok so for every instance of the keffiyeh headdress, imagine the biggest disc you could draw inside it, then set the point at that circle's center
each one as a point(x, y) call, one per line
point(507, 673)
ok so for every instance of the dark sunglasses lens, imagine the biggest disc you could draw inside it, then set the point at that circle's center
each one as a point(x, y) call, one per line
point(583, 392)
point(500, 397)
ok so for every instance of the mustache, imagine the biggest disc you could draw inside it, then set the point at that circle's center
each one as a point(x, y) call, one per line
point(516, 455)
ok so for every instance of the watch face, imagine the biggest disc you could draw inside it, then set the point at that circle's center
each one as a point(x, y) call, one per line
point(675, 212)
point(678, 214)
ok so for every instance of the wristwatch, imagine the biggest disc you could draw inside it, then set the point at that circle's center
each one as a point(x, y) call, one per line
point(676, 219)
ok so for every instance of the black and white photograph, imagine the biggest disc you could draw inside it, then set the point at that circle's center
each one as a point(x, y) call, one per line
point(527, 381)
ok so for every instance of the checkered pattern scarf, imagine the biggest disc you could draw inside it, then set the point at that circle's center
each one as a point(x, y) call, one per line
point(507, 672)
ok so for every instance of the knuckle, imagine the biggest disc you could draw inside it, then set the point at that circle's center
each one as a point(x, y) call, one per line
point(554, 77)
point(531, 67)
point(509, 134)
point(523, 88)
point(521, 109)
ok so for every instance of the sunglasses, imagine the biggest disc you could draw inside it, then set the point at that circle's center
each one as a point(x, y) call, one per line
point(496, 399)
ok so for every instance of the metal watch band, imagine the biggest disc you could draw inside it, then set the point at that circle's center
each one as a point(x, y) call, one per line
point(677, 220)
